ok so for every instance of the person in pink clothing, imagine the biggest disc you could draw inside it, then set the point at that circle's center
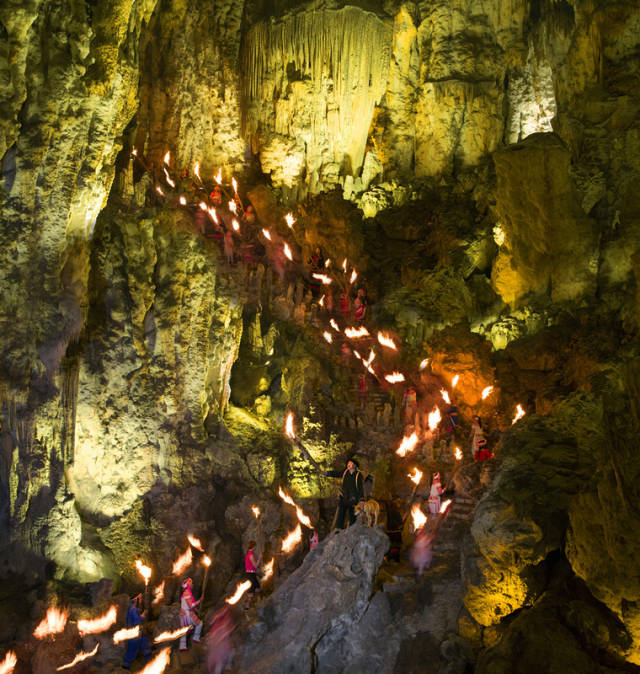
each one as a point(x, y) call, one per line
point(218, 640)
point(251, 563)
point(435, 494)
point(188, 615)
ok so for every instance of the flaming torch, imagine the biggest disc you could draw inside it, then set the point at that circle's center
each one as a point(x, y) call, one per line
point(145, 572)
point(218, 177)
point(167, 158)
point(323, 278)
point(196, 171)
point(354, 276)
point(458, 454)
point(302, 517)
point(79, 658)
point(334, 324)
point(387, 341)
point(287, 252)
point(445, 396)
point(356, 333)
point(182, 200)
point(267, 234)
point(158, 664)
point(288, 427)
point(100, 624)
point(416, 479)
point(344, 265)
point(158, 594)
point(234, 184)
point(394, 377)
point(454, 381)
point(418, 517)
point(434, 419)
point(182, 563)
point(240, 590)
point(328, 336)
point(290, 542)
point(125, 634)
point(486, 391)
point(408, 444)
point(290, 220)
point(53, 623)
point(268, 570)
point(171, 636)
point(195, 542)
point(8, 664)
point(519, 414)
point(423, 364)
point(236, 225)
point(206, 562)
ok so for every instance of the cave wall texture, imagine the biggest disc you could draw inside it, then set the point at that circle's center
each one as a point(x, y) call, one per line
point(477, 160)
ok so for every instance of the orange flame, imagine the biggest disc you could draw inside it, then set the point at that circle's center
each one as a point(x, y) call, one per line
point(196, 171)
point(218, 177)
point(203, 206)
point(158, 594)
point(256, 511)
point(445, 505)
point(159, 190)
point(325, 280)
point(233, 207)
point(292, 539)
point(100, 624)
point(408, 444)
point(519, 414)
point(371, 370)
point(416, 477)
point(182, 562)
point(53, 623)
point(458, 454)
point(344, 265)
point(486, 391)
point(267, 234)
point(327, 263)
point(287, 252)
point(304, 519)
point(328, 337)
point(167, 157)
point(423, 363)
point(321, 301)
point(418, 517)
point(144, 571)
point(354, 276)
point(240, 590)
point(268, 570)
point(357, 354)
point(134, 152)
point(234, 182)
point(394, 377)
point(206, 560)
point(214, 215)
point(454, 381)
point(167, 177)
point(182, 200)
point(8, 664)
point(195, 542)
point(334, 325)
point(158, 664)
point(288, 427)
point(356, 333)
point(387, 341)
point(290, 220)
point(79, 658)
point(445, 396)
point(126, 634)
point(370, 359)
point(434, 418)
point(170, 636)
point(236, 225)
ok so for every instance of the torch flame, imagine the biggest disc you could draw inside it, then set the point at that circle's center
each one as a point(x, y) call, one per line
point(327, 263)
point(519, 414)
point(236, 225)
point(218, 177)
point(354, 276)
point(240, 590)
point(328, 336)
point(125, 634)
point(268, 570)
point(445, 396)
point(182, 200)
point(423, 363)
point(170, 636)
point(196, 171)
point(486, 391)
point(288, 427)
point(445, 505)
point(371, 371)
point(321, 301)
point(134, 152)
point(214, 215)
point(206, 560)
point(408, 444)
point(290, 220)
point(304, 519)
point(418, 517)
point(434, 418)
point(292, 539)
point(195, 542)
point(394, 377)
point(267, 234)
point(53, 623)
point(458, 454)
point(158, 664)
point(100, 624)
point(159, 190)
point(234, 182)
point(79, 658)
point(182, 562)
point(167, 177)
point(357, 355)
point(233, 207)
point(287, 252)
point(167, 157)
point(256, 511)
point(8, 664)
point(144, 571)
point(203, 206)
point(323, 278)
point(372, 357)
point(344, 265)
point(158, 594)
point(387, 341)
point(416, 477)
point(454, 381)
point(356, 333)
point(334, 325)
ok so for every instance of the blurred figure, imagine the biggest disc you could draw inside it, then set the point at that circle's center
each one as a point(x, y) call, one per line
point(421, 552)
point(219, 646)
point(479, 448)
point(228, 246)
point(313, 542)
point(188, 615)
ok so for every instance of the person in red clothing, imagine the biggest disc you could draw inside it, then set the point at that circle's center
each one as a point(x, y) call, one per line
point(251, 563)
point(359, 310)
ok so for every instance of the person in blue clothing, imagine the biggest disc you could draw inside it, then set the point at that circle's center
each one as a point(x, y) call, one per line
point(139, 643)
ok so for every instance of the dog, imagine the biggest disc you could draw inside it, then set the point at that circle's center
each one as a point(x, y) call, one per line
point(370, 511)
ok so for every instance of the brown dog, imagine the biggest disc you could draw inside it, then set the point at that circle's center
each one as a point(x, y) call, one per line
point(370, 511)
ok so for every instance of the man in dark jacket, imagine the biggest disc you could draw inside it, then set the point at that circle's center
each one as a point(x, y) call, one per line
point(351, 491)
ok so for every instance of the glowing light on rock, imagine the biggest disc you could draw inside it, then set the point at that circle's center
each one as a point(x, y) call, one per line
point(240, 590)
point(416, 477)
point(53, 623)
point(158, 594)
point(287, 252)
point(445, 396)
point(387, 341)
point(288, 427)
point(170, 636)
point(159, 190)
point(445, 505)
point(458, 454)
point(325, 280)
point(236, 225)
point(167, 177)
point(167, 157)
point(9, 663)
point(290, 542)
point(234, 183)
point(418, 518)
point(144, 571)
point(408, 444)
point(454, 381)
point(434, 419)
point(302, 517)
point(126, 634)
point(267, 234)
point(354, 276)
point(182, 200)
point(195, 542)
point(79, 658)
point(486, 391)
point(196, 171)
point(256, 511)
point(328, 337)
point(334, 325)
point(394, 377)
point(356, 333)
point(268, 570)
point(214, 215)
point(423, 363)
point(100, 624)
point(290, 220)
point(182, 563)
point(158, 664)
point(218, 177)
point(519, 414)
